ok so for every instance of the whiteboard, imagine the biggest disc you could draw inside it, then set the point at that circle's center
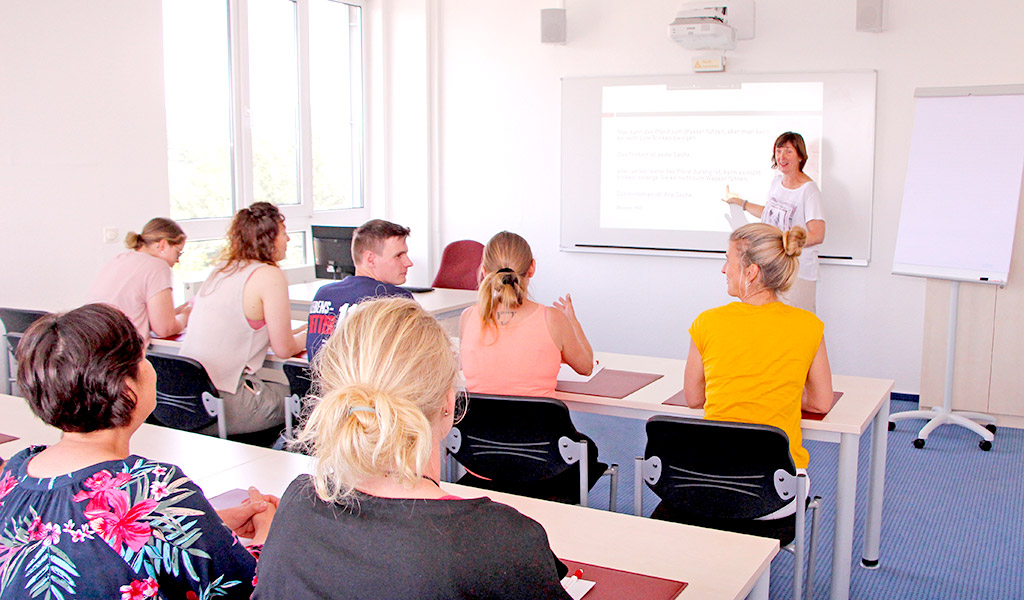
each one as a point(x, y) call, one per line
point(665, 188)
point(963, 184)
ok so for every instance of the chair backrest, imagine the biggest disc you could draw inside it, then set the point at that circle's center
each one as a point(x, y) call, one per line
point(16, 321)
point(460, 265)
point(300, 379)
point(718, 470)
point(181, 385)
point(514, 438)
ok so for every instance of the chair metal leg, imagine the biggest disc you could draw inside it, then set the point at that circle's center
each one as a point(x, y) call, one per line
point(812, 544)
point(638, 482)
point(584, 475)
point(613, 487)
point(798, 541)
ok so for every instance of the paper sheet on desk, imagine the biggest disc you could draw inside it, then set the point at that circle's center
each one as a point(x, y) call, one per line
point(229, 498)
point(566, 373)
point(578, 588)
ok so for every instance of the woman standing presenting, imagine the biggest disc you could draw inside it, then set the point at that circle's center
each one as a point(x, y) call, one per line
point(138, 283)
point(793, 201)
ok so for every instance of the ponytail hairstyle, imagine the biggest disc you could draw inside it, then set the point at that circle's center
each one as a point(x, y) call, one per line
point(506, 262)
point(155, 230)
point(773, 251)
point(381, 380)
point(252, 235)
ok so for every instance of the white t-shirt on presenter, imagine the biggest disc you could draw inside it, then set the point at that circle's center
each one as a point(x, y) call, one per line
point(787, 208)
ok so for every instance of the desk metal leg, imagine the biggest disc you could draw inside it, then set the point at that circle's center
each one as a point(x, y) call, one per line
point(876, 486)
point(846, 498)
point(760, 589)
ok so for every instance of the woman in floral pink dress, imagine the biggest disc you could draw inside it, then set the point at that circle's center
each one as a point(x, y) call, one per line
point(85, 517)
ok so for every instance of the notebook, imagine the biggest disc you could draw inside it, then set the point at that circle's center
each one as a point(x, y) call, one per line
point(613, 584)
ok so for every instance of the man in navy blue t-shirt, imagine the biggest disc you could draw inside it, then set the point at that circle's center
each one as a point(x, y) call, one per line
point(382, 260)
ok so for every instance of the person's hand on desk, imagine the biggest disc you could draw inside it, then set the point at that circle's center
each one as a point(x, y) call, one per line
point(251, 519)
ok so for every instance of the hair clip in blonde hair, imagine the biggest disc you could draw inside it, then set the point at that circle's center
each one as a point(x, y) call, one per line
point(355, 409)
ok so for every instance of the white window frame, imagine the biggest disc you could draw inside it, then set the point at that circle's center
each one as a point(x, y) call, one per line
point(299, 216)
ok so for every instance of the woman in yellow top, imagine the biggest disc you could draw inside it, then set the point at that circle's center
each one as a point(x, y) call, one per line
point(759, 360)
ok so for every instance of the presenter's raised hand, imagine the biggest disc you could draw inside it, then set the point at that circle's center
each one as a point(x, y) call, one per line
point(731, 198)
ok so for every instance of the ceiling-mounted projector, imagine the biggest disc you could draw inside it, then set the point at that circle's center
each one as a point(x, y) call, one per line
point(713, 25)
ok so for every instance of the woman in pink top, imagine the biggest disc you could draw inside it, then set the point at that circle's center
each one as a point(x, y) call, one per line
point(510, 344)
point(138, 283)
point(240, 312)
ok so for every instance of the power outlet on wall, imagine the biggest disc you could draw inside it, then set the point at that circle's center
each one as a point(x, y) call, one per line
point(110, 235)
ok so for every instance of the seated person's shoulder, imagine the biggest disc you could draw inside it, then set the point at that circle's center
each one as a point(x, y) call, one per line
point(268, 274)
point(494, 516)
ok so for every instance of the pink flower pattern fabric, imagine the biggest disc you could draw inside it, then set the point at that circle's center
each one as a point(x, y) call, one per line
point(132, 529)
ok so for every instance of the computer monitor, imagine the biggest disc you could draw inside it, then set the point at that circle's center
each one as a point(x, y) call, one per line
point(332, 251)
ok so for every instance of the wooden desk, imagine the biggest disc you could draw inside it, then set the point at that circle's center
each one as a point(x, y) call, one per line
point(443, 303)
point(865, 402)
point(715, 564)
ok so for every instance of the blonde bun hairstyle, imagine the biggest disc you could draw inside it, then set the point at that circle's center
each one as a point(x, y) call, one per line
point(155, 230)
point(506, 263)
point(776, 253)
point(382, 381)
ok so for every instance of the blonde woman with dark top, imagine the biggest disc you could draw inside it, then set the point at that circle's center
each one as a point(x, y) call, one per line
point(241, 311)
point(138, 283)
point(509, 343)
point(372, 520)
point(759, 360)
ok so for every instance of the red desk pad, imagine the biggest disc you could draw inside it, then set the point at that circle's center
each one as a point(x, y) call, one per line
point(679, 400)
point(613, 584)
point(609, 383)
point(7, 438)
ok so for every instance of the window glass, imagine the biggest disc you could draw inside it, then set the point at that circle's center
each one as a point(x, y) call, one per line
point(197, 87)
point(200, 255)
point(335, 73)
point(274, 101)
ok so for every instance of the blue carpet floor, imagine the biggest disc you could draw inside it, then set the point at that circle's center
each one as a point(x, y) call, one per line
point(952, 519)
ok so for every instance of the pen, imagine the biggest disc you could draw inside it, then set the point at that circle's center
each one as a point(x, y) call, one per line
point(571, 580)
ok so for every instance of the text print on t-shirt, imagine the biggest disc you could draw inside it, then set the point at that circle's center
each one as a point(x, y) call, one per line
point(779, 213)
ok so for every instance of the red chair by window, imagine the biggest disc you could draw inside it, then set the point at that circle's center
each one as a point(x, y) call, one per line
point(460, 265)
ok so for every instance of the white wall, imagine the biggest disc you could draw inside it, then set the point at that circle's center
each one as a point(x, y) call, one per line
point(82, 141)
point(500, 157)
point(82, 144)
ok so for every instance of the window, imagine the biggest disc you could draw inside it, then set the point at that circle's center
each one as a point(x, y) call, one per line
point(264, 102)
point(199, 255)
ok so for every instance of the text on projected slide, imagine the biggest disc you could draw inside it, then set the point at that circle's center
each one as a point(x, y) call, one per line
point(667, 154)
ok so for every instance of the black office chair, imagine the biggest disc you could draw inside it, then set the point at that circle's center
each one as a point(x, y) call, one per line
point(725, 476)
point(185, 397)
point(529, 447)
point(300, 380)
point(16, 321)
